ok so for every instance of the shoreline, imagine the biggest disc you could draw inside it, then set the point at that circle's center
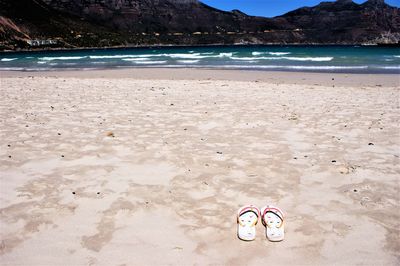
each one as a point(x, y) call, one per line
point(63, 49)
point(273, 77)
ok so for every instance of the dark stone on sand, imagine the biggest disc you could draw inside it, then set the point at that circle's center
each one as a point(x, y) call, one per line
point(355, 190)
point(59, 134)
point(333, 161)
point(98, 193)
point(62, 156)
point(73, 192)
point(370, 144)
point(9, 156)
point(219, 152)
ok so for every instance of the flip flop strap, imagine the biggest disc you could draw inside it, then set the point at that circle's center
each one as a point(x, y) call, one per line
point(249, 210)
point(269, 210)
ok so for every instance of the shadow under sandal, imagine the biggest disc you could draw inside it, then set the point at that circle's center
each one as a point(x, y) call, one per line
point(273, 219)
point(247, 219)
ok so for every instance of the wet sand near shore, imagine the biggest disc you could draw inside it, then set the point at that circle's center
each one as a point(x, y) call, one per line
point(274, 77)
point(121, 168)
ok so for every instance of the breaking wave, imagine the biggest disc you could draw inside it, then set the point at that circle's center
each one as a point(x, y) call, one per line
point(316, 59)
point(61, 58)
point(8, 59)
point(150, 62)
point(270, 53)
point(188, 61)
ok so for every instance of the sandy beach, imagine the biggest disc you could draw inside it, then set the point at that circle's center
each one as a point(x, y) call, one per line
point(148, 167)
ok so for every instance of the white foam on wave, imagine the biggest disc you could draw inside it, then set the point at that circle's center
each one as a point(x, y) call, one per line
point(150, 62)
point(185, 56)
point(271, 53)
point(225, 55)
point(188, 61)
point(245, 58)
point(109, 56)
point(326, 67)
point(136, 59)
point(190, 55)
point(279, 53)
point(289, 67)
point(42, 62)
point(398, 56)
point(12, 68)
point(317, 59)
point(198, 55)
point(390, 67)
point(48, 58)
point(123, 56)
point(8, 59)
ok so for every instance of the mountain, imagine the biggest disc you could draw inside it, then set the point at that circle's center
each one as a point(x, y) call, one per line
point(344, 21)
point(104, 23)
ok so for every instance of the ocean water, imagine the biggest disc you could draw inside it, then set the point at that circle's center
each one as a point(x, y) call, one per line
point(357, 59)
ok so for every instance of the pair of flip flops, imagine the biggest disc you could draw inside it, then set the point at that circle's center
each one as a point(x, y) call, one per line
point(271, 217)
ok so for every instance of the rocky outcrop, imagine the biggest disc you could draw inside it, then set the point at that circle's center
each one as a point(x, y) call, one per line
point(99, 23)
point(344, 21)
point(160, 16)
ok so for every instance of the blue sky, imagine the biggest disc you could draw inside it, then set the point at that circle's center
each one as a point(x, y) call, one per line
point(271, 8)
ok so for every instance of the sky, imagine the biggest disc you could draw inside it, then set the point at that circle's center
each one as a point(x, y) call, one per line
point(271, 8)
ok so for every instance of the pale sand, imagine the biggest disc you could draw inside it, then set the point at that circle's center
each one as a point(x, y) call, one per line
point(183, 156)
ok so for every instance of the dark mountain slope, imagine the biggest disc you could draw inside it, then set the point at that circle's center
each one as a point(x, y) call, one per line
point(98, 23)
point(160, 16)
point(344, 21)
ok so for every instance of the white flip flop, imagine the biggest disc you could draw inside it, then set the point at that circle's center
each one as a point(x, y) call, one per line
point(273, 219)
point(247, 218)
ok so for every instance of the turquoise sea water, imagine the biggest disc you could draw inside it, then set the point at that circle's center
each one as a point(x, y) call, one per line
point(359, 59)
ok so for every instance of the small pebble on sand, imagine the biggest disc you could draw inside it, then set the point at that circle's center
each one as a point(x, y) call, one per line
point(344, 170)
